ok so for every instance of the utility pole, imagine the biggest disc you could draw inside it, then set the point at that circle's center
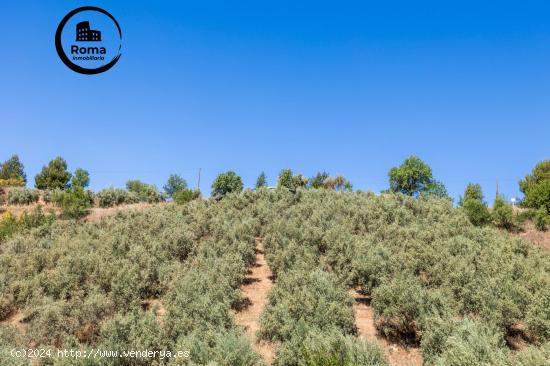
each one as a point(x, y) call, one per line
point(497, 189)
point(199, 180)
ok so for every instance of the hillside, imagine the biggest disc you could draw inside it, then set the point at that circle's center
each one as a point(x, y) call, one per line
point(177, 278)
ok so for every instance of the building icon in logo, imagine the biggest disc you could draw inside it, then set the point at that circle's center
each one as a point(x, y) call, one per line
point(84, 33)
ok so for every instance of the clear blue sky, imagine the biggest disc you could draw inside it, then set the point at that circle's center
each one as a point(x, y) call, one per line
point(348, 87)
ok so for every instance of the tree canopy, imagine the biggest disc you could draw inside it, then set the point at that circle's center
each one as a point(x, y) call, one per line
point(226, 183)
point(13, 169)
point(53, 176)
point(414, 177)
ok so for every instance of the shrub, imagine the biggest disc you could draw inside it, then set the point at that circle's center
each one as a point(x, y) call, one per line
point(133, 331)
point(414, 177)
point(472, 192)
point(51, 195)
point(13, 170)
point(477, 212)
point(261, 181)
point(542, 219)
point(174, 185)
point(538, 196)
point(502, 214)
point(314, 297)
point(80, 179)
point(226, 183)
point(22, 196)
point(532, 356)
point(536, 187)
point(35, 218)
point(110, 197)
point(74, 202)
point(218, 347)
point(318, 180)
point(402, 306)
point(285, 179)
point(311, 347)
point(144, 192)
point(464, 343)
point(12, 183)
point(186, 195)
point(53, 176)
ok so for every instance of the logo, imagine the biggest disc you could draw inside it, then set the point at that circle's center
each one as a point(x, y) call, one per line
point(86, 50)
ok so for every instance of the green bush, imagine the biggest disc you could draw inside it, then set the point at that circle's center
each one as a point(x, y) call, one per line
point(80, 179)
point(413, 178)
point(174, 185)
point(477, 212)
point(532, 356)
point(53, 176)
point(13, 170)
point(464, 343)
point(74, 202)
point(51, 195)
point(186, 195)
point(110, 197)
point(144, 192)
point(542, 219)
point(225, 183)
point(261, 181)
point(502, 214)
point(536, 187)
point(22, 196)
point(314, 297)
point(311, 347)
point(217, 348)
point(473, 205)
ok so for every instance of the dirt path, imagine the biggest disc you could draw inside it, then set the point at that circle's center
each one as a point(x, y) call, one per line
point(364, 320)
point(255, 288)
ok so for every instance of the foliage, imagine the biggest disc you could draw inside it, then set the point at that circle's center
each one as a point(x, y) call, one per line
point(10, 224)
point(542, 219)
point(536, 187)
point(227, 182)
point(428, 271)
point(284, 180)
point(311, 297)
point(144, 192)
point(74, 202)
point(411, 178)
point(532, 356)
point(318, 180)
point(186, 195)
point(261, 181)
point(110, 197)
point(472, 192)
point(538, 196)
point(174, 185)
point(502, 214)
point(22, 196)
point(312, 347)
point(464, 343)
point(80, 179)
point(12, 169)
point(473, 205)
point(12, 182)
point(53, 176)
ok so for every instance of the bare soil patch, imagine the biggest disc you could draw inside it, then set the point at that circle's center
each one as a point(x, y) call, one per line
point(16, 319)
point(254, 289)
point(540, 238)
point(398, 355)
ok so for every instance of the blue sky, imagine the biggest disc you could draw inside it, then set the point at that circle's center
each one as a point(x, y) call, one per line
point(348, 87)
